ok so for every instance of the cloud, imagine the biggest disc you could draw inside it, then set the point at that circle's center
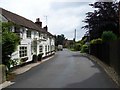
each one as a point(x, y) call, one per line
point(67, 17)
point(63, 17)
point(62, 5)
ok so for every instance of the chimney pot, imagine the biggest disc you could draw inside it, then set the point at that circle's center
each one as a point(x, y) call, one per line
point(38, 22)
point(46, 28)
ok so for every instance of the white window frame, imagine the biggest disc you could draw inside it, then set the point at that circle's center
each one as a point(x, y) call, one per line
point(22, 51)
point(48, 48)
point(28, 34)
point(45, 48)
point(40, 49)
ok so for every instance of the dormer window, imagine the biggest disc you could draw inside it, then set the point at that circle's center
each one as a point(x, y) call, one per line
point(39, 34)
point(12, 29)
point(45, 36)
point(16, 29)
point(35, 34)
point(28, 34)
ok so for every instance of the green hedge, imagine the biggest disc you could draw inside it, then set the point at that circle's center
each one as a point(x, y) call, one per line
point(77, 47)
point(108, 36)
point(96, 41)
point(84, 49)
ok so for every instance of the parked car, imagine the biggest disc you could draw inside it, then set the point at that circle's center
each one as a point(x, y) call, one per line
point(60, 47)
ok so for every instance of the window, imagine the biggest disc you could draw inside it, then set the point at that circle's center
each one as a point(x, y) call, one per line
point(35, 34)
point(23, 51)
point(16, 29)
point(40, 49)
point(44, 36)
point(28, 34)
point(12, 29)
point(39, 34)
point(51, 48)
point(46, 48)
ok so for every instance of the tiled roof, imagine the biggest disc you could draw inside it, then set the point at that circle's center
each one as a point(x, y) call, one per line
point(19, 20)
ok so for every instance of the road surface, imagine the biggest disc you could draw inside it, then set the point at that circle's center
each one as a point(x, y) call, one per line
point(66, 69)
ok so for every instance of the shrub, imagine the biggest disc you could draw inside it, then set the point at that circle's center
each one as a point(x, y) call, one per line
point(96, 41)
point(24, 59)
point(10, 42)
point(84, 49)
point(40, 56)
point(77, 47)
point(34, 59)
point(108, 36)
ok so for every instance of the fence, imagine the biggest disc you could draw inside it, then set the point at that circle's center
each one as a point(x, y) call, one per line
point(108, 53)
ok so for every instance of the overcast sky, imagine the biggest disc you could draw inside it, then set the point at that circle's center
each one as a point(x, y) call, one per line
point(63, 16)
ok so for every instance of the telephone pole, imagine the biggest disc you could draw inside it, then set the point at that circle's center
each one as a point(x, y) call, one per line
point(75, 35)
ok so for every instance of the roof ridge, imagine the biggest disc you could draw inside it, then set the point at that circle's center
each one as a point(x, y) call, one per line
point(20, 20)
point(16, 14)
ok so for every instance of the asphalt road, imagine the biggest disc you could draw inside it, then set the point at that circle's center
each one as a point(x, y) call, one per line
point(66, 70)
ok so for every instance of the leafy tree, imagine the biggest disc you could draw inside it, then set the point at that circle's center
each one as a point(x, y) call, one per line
point(84, 49)
point(104, 18)
point(59, 39)
point(9, 43)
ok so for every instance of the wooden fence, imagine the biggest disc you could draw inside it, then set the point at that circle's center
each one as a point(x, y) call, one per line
point(109, 53)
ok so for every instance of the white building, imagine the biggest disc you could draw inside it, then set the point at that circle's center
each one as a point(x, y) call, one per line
point(34, 38)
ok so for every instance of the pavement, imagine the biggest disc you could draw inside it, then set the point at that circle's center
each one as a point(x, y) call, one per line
point(23, 70)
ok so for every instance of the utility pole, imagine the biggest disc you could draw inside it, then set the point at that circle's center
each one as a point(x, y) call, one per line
point(75, 35)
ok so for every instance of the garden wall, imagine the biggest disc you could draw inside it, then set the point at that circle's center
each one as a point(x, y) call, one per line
point(2, 74)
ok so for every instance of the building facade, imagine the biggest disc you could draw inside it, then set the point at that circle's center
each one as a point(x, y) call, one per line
point(34, 39)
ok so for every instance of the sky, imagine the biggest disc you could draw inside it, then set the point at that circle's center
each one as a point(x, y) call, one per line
point(61, 16)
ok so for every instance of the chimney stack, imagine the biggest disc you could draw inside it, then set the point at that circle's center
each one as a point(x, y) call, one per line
point(38, 22)
point(46, 28)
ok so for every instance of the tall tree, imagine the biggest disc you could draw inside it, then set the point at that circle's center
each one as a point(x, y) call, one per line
point(59, 39)
point(104, 18)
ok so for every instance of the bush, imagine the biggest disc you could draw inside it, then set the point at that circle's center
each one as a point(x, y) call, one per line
point(77, 47)
point(96, 41)
point(84, 49)
point(34, 59)
point(24, 59)
point(10, 42)
point(108, 36)
point(40, 57)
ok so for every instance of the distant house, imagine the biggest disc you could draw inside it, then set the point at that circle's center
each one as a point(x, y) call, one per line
point(34, 38)
point(68, 43)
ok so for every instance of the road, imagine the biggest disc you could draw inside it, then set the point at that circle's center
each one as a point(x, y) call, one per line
point(66, 69)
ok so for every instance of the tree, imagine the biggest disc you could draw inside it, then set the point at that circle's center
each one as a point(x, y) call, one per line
point(104, 18)
point(59, 40)
point(9, 43)
point(108, 36)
